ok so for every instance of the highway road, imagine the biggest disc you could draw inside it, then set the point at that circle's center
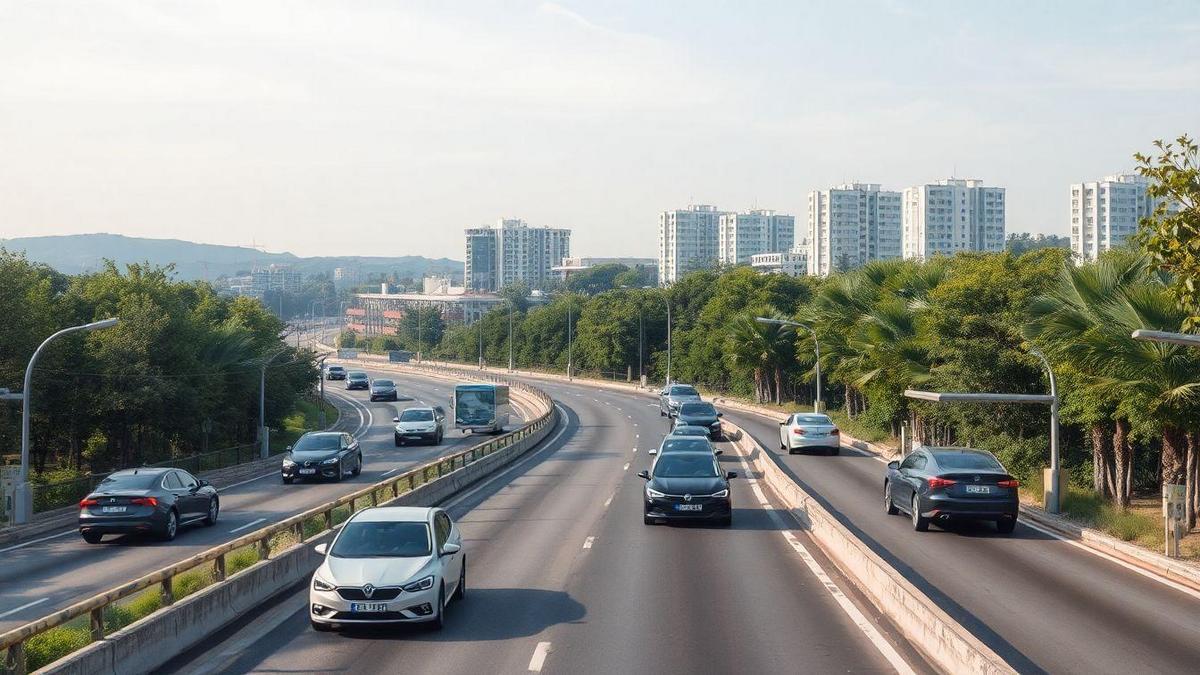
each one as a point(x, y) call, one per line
point(53, 571)
point(564, 577)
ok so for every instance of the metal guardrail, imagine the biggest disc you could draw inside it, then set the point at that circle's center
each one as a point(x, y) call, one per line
point(13, 641)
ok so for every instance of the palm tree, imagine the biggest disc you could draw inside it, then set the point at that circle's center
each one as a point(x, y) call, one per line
point(762, 348)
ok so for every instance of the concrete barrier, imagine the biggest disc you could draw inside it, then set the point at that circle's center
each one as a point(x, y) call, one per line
point(147, 644)
point(927, 627)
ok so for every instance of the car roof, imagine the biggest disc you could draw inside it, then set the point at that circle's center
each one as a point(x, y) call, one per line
point(334, 365)
point(685, 440)
point(417, 407)
point(697, 427)
point(142, 471)
point(691, 453)
point(358, 372)
point(395, 514)
point(321, 433)
point(947, 450)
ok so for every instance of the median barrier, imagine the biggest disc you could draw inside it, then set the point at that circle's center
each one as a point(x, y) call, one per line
point(926, 626)
point(148, 643)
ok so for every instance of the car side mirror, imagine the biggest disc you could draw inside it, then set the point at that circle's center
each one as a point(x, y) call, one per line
point(288, 449)
point(720, 414)
point(204, 483)
point(718, 453)
point(644, 475)
point(729, 475)
point(395, 419)
point(321, 548)
point(783, 423)
point(450, 549)
point(894, 464)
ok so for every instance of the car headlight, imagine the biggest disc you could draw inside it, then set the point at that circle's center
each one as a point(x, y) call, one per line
point(320, 584)
point(722, 493)
point(331, 460)
point(651, 492)
point(423, 584)
point(288, 462)
point(715, 424)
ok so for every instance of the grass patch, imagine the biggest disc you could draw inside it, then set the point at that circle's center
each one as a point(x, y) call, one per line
point(306, 417)
point(1132, 525)
point(46, 648)
point(860, 430)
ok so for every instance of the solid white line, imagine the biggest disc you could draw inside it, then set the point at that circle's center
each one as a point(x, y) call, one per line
point(388, 473)
point(626, 467)
point(539, 657)
point(249, 524)
point(608, 501)
point(587, 543)
point(36, 541)
point(885, 648)
point(635, 449)
point(25, 606)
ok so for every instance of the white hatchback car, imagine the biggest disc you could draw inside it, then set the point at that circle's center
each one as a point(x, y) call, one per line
point(805, 431)
point(391, 564)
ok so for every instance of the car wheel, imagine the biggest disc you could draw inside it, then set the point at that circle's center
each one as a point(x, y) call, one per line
point(647, 520)
point(214, 509)
point(835, 451)
point(320, 627)
point(439, 619)
point(661, 413)
point(1006, 526)
point(399, 441)
point(92, 537)
point(287, 481)
point(920, 524)
point(888, 505)
point(171, 528)
point(460, 593)
point(357, 467)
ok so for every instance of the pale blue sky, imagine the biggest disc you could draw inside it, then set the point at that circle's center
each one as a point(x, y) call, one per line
point(386, 127)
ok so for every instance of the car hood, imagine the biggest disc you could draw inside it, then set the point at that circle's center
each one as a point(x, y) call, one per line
point(689, 486)
point(698, 420)
point(377, 571)
point(312, 456)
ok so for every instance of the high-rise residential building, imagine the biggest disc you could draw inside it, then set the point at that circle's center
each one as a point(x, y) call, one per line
point(741, 236)
point(1105, 213)
point(953, 215)
point(851, 225)
point(512, 251)
point(687, 241)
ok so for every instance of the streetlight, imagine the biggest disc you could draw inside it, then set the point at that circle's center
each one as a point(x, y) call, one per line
point(321, 404)
point(480, 321)
point(816, 345)
point(569, 361)
point(264, 447)
point(1184, 339)
point(510, 335)
point(23, 495)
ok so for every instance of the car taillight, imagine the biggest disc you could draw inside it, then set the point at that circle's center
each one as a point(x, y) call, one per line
point(935, 483)
point(797, 432)
point(1010, 483)
point(144, 501)
point(84, 503)
point(834, 432)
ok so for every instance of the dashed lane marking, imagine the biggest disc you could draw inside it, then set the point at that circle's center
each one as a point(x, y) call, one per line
point(626, 467)
point(587, 543)
point(539, 657)
point(249, 524)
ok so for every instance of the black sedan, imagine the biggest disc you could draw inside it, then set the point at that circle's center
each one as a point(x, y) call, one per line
point(384, 390)
point(335, 373)
point(937, 485)
point(357, 380)
point(688, 430)
point(700, 414)
point(329, 455)
point(687, 486)
point(153, 501)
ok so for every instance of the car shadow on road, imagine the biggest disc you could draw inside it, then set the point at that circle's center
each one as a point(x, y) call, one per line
point(486, 614)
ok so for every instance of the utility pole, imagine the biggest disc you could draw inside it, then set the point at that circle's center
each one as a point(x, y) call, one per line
point(264, 443)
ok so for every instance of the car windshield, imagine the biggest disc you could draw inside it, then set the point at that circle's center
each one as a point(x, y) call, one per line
point(336, 369)
point(357, 376)
point(129, 481)
point(969, 461)
point(684, 390)
point(697, 409)
point(374, 539)
point(416, 416)
point(686, 466)
point(690, 431)
point(318, 443)
point(813, 419)
point(384, 383)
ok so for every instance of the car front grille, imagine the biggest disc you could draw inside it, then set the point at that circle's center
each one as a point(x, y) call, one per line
point(380, 594)
point(368, 616)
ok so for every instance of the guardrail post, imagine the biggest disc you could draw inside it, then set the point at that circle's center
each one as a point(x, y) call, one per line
point(328, 519)
point(396, 489)
point(300, 532)
point(374, 498)
point(97, 621)
point(167, 592)
point(16, 659)
point(264, 549)
point(219, 568)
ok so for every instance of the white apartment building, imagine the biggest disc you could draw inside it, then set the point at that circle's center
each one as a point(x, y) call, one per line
point(740, 236)
point(792, 263)
point(953, 215)
point(512, 251)
point(851, 225)
point(687, 241)
point(1105, 213)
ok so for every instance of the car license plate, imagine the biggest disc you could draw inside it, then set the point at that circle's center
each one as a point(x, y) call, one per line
point(368, 607)
point(689, 507)
point(112, 509)
point(307, 472)
point(979, 489)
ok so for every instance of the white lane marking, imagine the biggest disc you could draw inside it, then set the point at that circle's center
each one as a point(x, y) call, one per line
point(608, 501)
point(629, 416)
point(587, 543)
point(885, 648)
point(652, 405)
point(635, 449)
point(25, 606)
point(31, 542)
point(626, 467)
point(249, 524)
point(248, 480)
point(388, 473)
point(1146, 573)
point(539, 657)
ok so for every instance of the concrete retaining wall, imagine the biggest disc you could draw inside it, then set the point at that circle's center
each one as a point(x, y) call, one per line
point(939, 637)
point(146, 645)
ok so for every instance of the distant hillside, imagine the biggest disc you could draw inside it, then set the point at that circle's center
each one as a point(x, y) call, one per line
point(72, 254)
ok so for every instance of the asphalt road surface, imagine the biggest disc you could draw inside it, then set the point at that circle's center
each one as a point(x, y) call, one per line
point(563, 576)
point(52, 571)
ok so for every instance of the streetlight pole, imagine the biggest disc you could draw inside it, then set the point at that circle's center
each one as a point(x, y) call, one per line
point(480, 320)
point(420, 343)
point(264, 444)
point(569, 361)
point(1055, 462)
point(321, 402)
point(23, 496)
point(816, 346)
point(510, 335)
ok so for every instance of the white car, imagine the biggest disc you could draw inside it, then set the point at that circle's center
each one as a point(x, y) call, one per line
point(390, 564)
point(809, 431)
point(420, 423)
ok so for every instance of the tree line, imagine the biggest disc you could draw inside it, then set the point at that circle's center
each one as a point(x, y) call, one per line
point(177, 374)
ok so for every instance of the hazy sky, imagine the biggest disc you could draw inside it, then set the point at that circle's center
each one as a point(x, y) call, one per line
point(386, 127)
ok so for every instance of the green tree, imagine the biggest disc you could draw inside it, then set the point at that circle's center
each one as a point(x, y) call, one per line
point(1172, 234)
